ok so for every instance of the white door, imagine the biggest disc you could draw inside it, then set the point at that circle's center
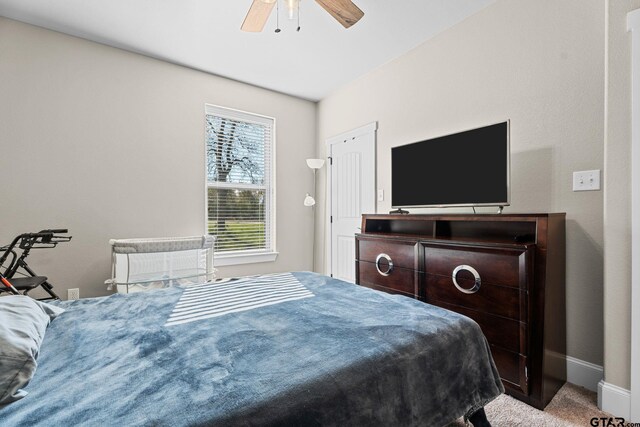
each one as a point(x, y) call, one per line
point(352, 193)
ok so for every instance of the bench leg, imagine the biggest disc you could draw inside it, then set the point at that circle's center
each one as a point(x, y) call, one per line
point(479, 419)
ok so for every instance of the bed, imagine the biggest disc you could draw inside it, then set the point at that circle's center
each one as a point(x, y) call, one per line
point(284, 349)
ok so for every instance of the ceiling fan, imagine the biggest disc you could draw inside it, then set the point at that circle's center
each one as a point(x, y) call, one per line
point(344, 11)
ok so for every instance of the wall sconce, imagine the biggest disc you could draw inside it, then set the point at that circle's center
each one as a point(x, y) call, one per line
point(314, 164)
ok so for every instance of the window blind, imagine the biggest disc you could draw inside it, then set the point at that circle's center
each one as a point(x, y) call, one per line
point(239, 160)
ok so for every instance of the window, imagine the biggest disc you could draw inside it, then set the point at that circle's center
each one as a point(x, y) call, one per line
point(240, 196)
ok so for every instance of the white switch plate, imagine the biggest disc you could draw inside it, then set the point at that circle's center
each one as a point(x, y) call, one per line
point(380, 195)
point(586, 180)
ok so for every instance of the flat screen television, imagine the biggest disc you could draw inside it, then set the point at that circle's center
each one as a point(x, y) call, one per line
point(469, 168)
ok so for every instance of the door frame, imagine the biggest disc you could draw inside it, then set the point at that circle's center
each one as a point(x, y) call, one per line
point(370, 128)
point(633, 25)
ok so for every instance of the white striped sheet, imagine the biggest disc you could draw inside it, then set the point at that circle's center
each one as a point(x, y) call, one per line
point(232, 293)
point(224, 299)
point(245, 304)
point(214, 290)
point(232, 300)
point(231, 309)
point(209, 316)
point(233, 283)
point(248, 279)
point(199, 302)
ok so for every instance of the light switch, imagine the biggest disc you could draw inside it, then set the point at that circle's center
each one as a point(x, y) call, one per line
point(586, 180)
point(381, 195)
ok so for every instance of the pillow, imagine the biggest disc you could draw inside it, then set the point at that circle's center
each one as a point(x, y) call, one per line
point(23, 322)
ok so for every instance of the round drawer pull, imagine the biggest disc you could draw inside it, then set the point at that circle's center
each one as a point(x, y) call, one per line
point(389, 268)
point(476, 286)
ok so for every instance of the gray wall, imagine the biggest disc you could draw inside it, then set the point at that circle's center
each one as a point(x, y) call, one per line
point(111, 145)
point(538, 63)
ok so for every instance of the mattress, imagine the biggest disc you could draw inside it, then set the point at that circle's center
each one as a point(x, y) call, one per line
point(286, 349)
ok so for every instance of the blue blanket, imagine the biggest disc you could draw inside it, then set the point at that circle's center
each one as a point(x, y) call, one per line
point(339, 355)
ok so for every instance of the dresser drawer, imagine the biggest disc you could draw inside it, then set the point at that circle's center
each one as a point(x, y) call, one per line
point(501, 301)
point(401, 254)
point(504, 333)
point(398, 280)
point(500, 266)
point(512, 368)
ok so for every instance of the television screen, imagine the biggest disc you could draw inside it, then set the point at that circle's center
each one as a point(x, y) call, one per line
point(469, 168)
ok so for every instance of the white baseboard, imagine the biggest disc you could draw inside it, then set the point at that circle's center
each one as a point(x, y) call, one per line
point(611, 398)
point(614, 400)
point(584, 374)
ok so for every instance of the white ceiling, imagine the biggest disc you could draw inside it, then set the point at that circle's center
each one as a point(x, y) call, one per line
point(205, 35)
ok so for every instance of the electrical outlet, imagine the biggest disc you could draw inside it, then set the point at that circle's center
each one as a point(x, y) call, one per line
point(381, 195)
point(73, 294)
point(586, 180)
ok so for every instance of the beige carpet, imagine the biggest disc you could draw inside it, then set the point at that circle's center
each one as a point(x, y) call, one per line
point(572, 406)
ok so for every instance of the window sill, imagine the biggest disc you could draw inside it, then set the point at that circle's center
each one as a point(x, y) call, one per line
point(236, 259)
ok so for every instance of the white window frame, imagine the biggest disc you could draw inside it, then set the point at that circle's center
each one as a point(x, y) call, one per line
point(246, 256)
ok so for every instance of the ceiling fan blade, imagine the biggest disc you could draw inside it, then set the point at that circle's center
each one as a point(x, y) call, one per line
point(257, 16)
point(344, 11)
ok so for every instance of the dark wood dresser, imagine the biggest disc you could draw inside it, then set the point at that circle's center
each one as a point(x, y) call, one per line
point(505, 271)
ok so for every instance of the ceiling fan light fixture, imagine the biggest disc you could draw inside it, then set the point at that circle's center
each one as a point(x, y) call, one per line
point(343, 11)
point(292, 8)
